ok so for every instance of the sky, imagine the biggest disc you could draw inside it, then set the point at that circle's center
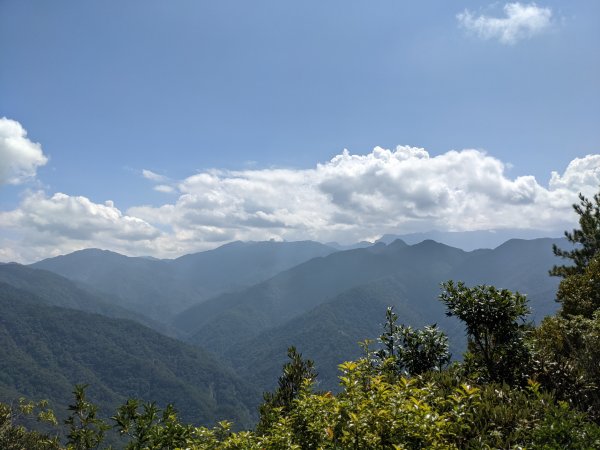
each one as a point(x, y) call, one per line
point(165, 127)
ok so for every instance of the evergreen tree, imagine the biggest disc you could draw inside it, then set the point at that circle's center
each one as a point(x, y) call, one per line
point(586, 238)
point(296, 373)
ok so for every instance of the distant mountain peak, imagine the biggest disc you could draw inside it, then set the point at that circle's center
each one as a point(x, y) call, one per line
point(470, 240)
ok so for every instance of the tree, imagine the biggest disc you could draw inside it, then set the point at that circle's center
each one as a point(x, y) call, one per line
point(149, 427)
point(296, 373)
point(566, 352)
point(410, 351)
point(579, 293)
point(495, 325)
point(586, 238)
point(14, 436)
point(86, 431)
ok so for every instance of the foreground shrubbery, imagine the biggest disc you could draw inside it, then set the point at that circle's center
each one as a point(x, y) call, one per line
point(375, 410)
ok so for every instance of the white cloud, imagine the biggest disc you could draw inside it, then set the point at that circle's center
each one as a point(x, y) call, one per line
point(153, 176)
point(582, 174)
point(355, 196)
point(165, 188)
point(165, 184)
point(19, 157)
point(53, 225)
point(349, 198)
point(520, 21)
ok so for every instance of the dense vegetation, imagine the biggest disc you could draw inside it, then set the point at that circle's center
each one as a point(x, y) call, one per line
point(45, 350)
point(519, 386)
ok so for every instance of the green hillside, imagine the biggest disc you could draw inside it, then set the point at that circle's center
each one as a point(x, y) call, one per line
point(45, 351)
point(308, 285)
point(259, 320)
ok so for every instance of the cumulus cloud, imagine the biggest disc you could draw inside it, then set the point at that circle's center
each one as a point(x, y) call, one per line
point(520, 21)
point(348, 198)
point(19, 157)
point(355, 196)
point(53, 225)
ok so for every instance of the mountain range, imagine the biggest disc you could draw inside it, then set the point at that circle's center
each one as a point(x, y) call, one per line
point(161, 288)
point(313, 305)
point(237, 309)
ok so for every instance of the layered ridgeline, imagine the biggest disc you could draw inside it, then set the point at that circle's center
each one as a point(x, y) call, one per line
point(326, 305)
point(45, 350)
point(162, 288)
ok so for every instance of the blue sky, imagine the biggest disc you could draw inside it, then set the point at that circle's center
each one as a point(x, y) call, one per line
point(112, 88)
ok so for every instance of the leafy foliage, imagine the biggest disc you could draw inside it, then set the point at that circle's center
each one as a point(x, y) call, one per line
point(147, 426)
point(14, 436)
point(411, 352)
point(376, 409)
point(495, 325)
point(566, 356)
point(86, 430)
point(579, 293)
point(567, 346)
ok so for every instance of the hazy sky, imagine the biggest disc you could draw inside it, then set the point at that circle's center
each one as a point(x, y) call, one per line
point(164, 127)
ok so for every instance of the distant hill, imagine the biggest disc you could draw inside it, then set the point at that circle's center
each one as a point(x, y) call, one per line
point(470, 240)
point(140, 284)
point(326, 305)
point(161, 288)
point(45, 350)
point(361, 244)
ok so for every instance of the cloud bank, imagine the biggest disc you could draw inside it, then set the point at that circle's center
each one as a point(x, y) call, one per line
point(19, 157)
point(349, 198)
point(520, 21)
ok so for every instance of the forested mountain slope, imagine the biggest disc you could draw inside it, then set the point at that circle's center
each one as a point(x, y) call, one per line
point(142, 285)
point(341, 309)
point(45, 351)
point(289, 294)
point(329, 334)
point(55, 290)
